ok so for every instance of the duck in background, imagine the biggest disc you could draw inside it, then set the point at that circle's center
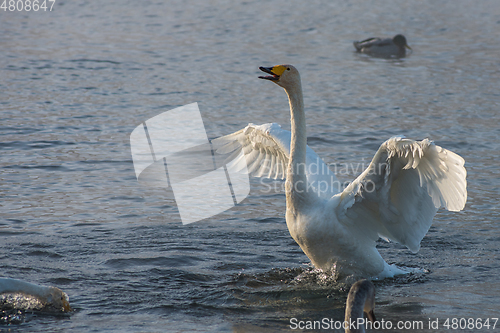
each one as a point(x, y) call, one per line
point(383, 48)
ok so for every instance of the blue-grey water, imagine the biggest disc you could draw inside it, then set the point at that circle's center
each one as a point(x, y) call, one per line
point(74, 83)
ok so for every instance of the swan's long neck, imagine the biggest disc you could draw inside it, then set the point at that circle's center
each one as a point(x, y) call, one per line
point(361, 299)
point(296, 184)
point(354, 311)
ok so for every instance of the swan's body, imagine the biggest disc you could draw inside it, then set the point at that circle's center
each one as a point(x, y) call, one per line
point(51, 298)
point(384, 48)
point(396, 197)
point(361, 299)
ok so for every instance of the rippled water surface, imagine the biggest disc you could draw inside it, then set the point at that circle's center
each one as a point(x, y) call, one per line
point(76, 81)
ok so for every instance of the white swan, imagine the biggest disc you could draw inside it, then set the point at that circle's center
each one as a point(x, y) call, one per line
point(50, 298)
point(396, 197)
point(361, 299)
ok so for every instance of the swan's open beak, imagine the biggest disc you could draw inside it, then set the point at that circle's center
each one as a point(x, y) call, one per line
point(275, 72)
point(371, 316)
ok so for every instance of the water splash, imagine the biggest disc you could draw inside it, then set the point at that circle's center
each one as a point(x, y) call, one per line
point(19, 301)
point(15, 308)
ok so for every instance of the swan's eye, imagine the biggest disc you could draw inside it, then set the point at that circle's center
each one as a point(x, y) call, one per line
point(288, 69)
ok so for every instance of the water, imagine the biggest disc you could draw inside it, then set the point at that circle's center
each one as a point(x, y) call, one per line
point(76, 81)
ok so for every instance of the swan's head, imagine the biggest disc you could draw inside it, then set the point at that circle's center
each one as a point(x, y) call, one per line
point(285, 76)
point(57, 300)
point(400, 41)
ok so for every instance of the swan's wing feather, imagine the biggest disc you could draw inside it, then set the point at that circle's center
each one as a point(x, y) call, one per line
point(366, 43)
point(264, 147)
point(267, 147)
point(399, 193)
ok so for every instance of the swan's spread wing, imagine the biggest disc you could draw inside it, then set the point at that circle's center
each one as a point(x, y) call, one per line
point(267, 148)
point(399, 193)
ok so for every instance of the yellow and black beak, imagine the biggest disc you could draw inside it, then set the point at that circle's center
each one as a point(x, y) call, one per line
point(65, 304)
point(67, 307)
point(408, 47)
point(275, 72)
point(371, 316)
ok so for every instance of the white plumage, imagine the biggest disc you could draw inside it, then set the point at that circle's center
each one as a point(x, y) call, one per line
point(396, 197)
point(267, 148)
point(45, 298)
